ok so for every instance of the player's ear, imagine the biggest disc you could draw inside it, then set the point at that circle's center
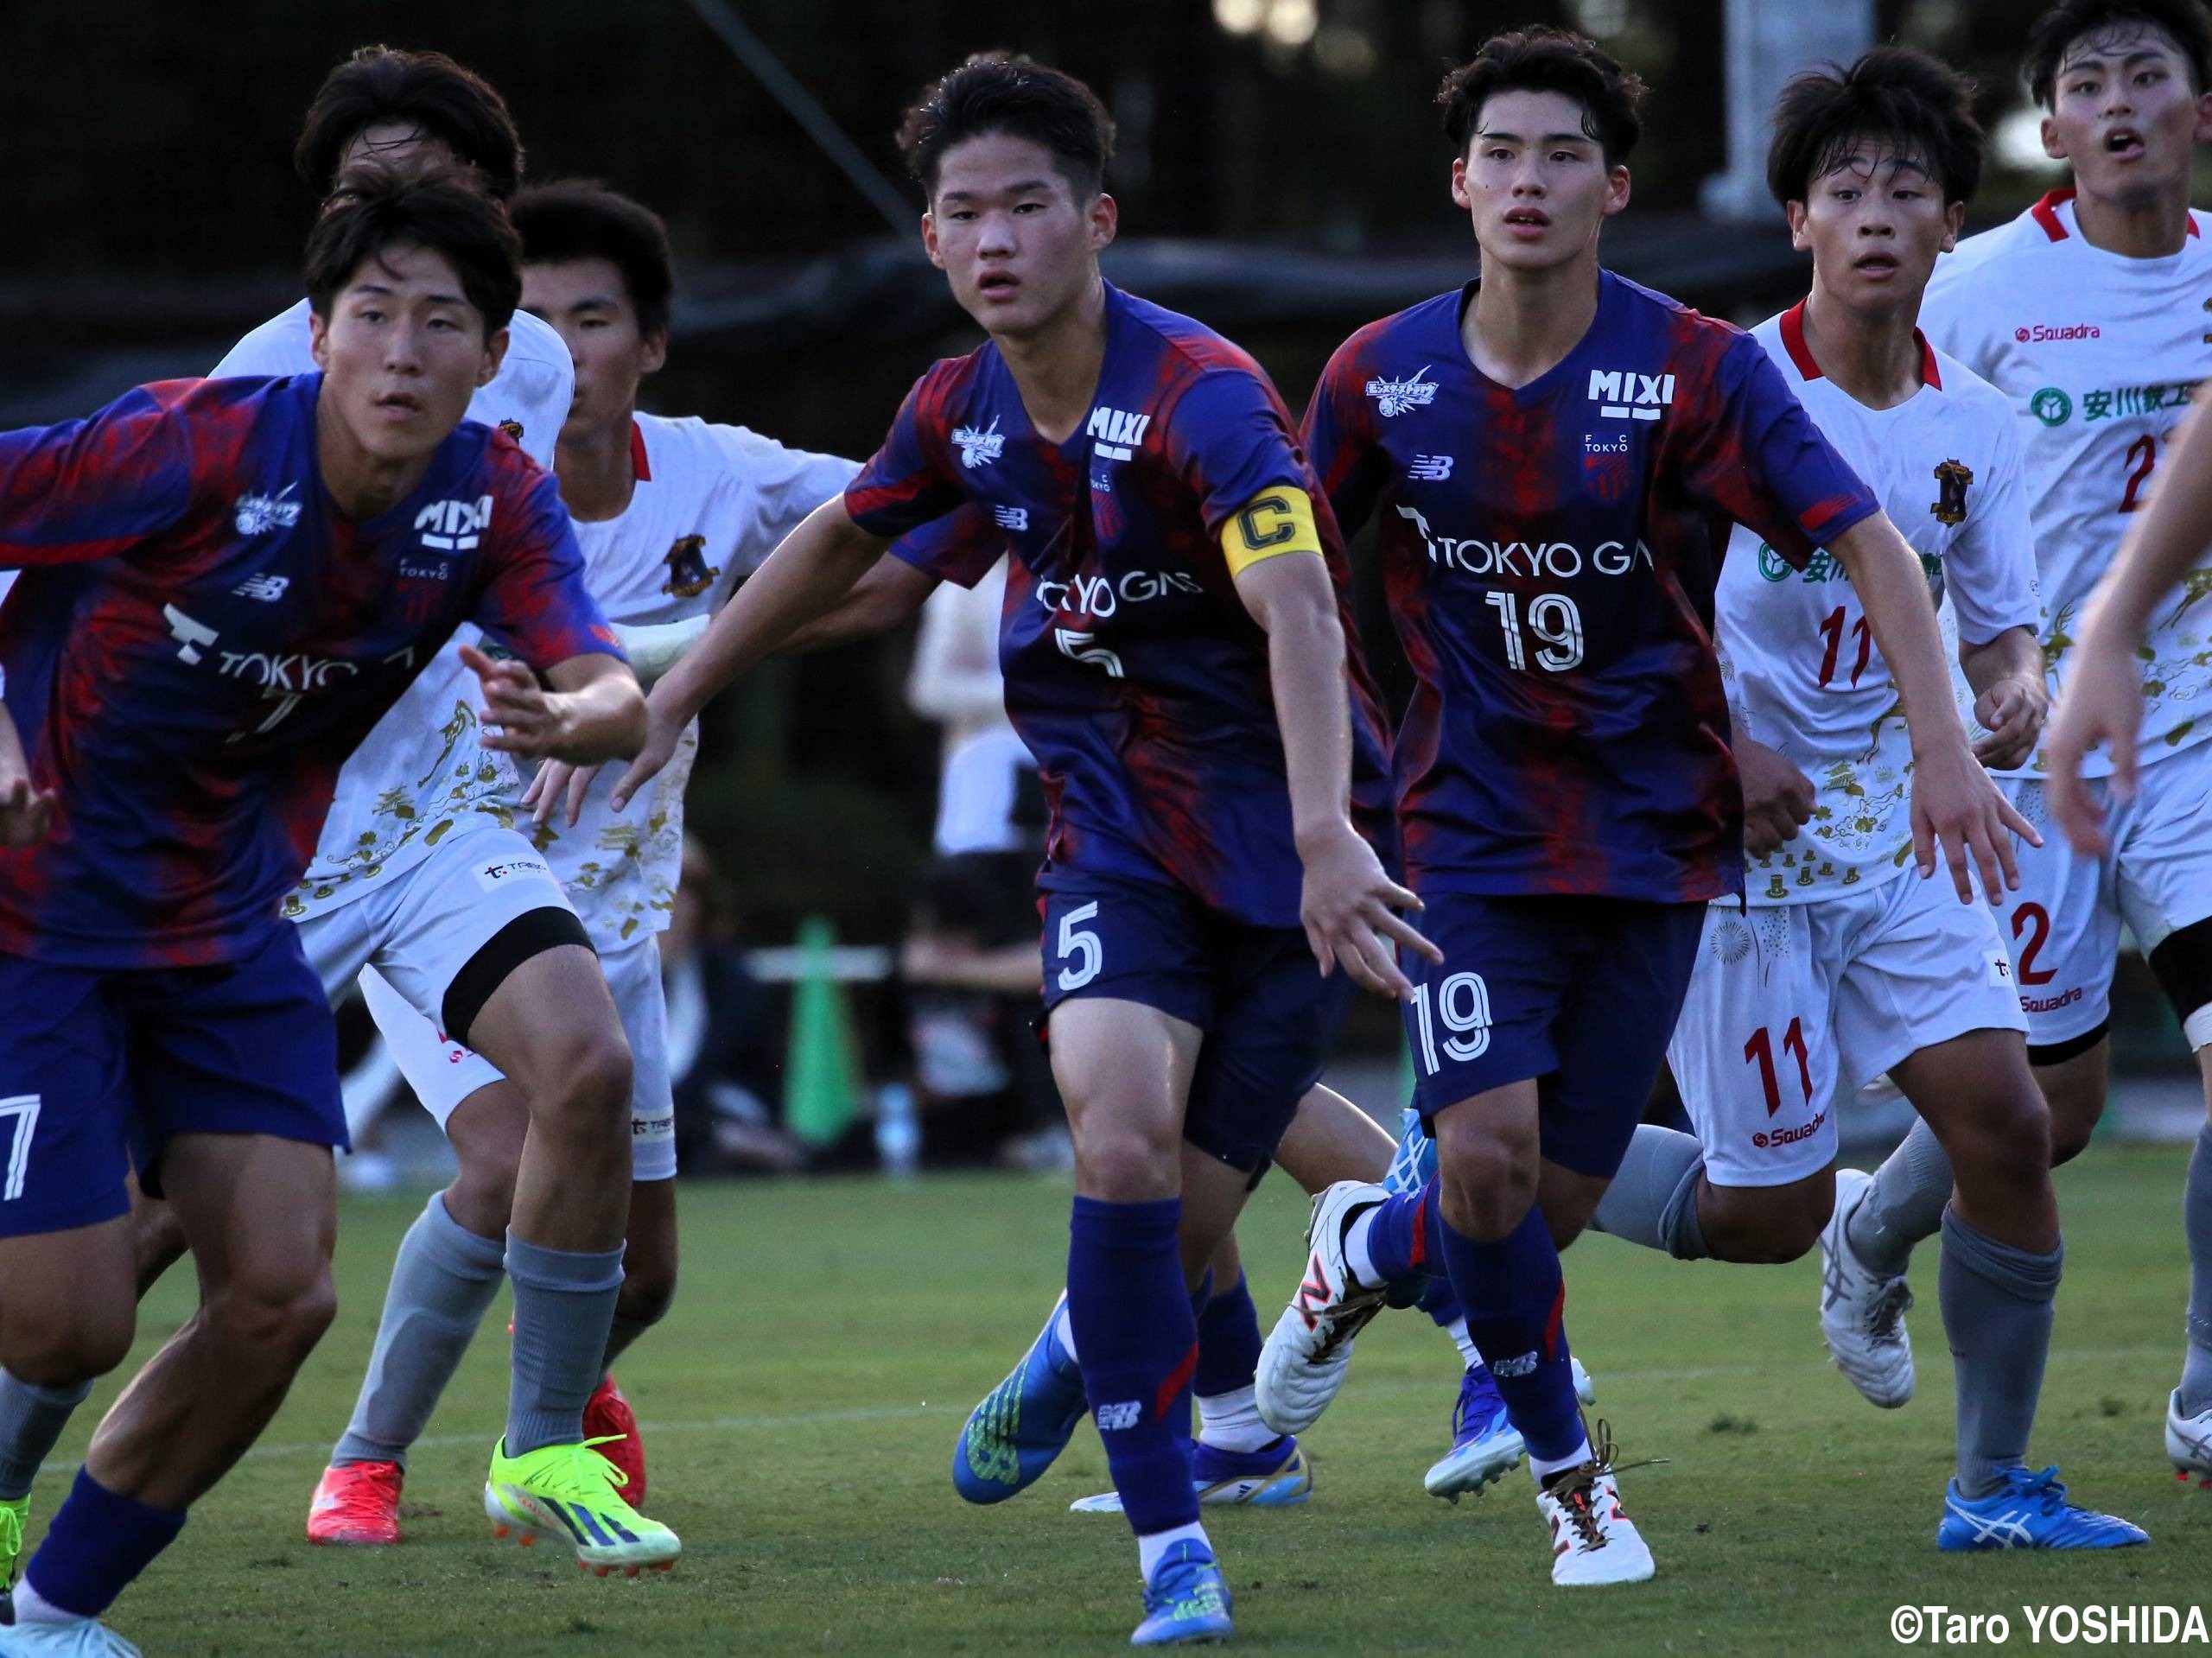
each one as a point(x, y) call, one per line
point(495, 352)
point(318, 339)
point(1460, 196)
point(1954, 220)
point(655, 354)
point(2052, 145)
point(1800, 237)
point(1615, 190)
point(2204, 117)
point(929, 240)
point(1105, 219)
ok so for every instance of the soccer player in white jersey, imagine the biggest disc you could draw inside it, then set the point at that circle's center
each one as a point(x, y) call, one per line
point(419, 871)
point(1842, 966)
point(2089, 313)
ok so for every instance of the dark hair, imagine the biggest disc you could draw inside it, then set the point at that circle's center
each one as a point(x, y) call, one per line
point(380, 207)
point(1897, 95)
point(425, 89)
point(1545, 60)
point(995, 91)
point(582, 218)
point(2070, 20)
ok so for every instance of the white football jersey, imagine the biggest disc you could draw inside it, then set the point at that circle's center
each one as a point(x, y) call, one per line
point(2099, 355)
point(1798, 657)
point(711, 502)
point(421, 769)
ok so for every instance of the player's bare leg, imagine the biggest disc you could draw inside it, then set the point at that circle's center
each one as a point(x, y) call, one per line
point(2189, 1409)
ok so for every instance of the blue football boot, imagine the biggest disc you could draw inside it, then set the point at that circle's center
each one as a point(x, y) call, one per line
point(1485, 1446)
point(2028, 1511)
point(1024, 1423)
point(1186, 1602)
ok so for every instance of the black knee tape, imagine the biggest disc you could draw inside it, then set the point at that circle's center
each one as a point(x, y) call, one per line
point(531, 933)
point(2183, 966)
point(2058, 1053)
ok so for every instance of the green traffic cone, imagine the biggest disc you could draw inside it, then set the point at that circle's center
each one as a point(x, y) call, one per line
point(821, 1080)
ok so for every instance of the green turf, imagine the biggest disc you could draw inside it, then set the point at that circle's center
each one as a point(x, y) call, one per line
point(801, 1401)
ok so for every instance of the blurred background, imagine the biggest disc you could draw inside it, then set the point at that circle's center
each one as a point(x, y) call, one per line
point(1280, 175)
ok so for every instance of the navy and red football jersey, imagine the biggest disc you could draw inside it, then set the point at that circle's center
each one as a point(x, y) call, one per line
point(1134, 672)
point(1550, 553)
point(198, 641)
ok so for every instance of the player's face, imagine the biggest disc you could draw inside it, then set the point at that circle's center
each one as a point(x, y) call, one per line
point(1535, 185)
point(587, 304)
point(402, 352)
point(1874, 225)
point(1008, 231)
point(2123, 113)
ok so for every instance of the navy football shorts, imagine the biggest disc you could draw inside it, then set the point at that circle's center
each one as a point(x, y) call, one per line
point(1269, 1017)
point(1578, 993)
point(100, 1066)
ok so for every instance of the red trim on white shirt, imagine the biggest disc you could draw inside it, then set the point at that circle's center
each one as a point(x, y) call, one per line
point(2045, 213)
point(639, 465)
point(1793, 341)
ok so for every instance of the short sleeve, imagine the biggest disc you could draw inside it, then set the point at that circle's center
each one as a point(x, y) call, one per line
point(280, 345)
point(783, 486)
point(960, 548)
point(908, 482)
point(1229, 439)
point(535, 601)
point(96, 487)
point(1744, 445)
point(1339, 439)
point(1990, 570)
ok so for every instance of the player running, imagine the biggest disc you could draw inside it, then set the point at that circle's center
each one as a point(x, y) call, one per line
point(1546, 452)
point(2088, 313)
point(1845, 967)
point(1176, 660)
point(245, 575)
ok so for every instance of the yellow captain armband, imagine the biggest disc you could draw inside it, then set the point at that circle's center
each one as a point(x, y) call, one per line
point(1278, 519)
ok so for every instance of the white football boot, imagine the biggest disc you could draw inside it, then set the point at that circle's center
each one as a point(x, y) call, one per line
point(2189, 1441)
point(1862, 1315)
point(1310, 1348)
point(1593, 1542)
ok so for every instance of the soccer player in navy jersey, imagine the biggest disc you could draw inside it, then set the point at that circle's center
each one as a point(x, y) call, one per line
point(1175, 649)
point(1551, 454)
point(224, 585)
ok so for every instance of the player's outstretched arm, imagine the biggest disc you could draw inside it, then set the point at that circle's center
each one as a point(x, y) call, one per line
point(594, 712)
point(24, 812)
point(817, 565)
point(2103, 703)
point(1956, 808)
point(1348, 905)
point(2010, 698)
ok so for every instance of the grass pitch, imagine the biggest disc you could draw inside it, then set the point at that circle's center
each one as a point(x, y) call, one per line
point(801, 1403)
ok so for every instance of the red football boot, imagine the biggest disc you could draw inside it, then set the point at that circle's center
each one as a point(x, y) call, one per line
point(356, 1506)
point(608, 1415)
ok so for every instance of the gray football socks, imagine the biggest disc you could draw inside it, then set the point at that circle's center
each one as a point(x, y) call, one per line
point(31, 1421)
point(442, 1283)
point(564, 1309)
point(2197, 1223)
point(1653, 1198)
point(1997, 1315)
point(1905, 1204)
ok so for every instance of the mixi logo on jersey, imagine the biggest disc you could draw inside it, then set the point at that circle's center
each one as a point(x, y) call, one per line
point(454, 526)
point(1624, 394)
point(1115, 433)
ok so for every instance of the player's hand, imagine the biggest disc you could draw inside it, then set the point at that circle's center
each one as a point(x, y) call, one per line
point(555, 778)
point(2103, 704)
point(1958, 809)
point(663, 731)
point(519, 716)
point(2012, 710)
point(1348, 909)
point(1777, 798)
point(25, 814)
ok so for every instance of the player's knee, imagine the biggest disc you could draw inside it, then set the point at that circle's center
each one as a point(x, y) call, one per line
point(1765, 1225)
point(1127, 1164)
point(481, 1198)
point(279, 1312)
point(1488, 1173)
point(65, 1345)
point(2004, 1140)
point(590, 1079)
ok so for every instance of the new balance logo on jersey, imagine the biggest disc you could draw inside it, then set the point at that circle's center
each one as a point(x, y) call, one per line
point(1114, 1418)
point(979, 448)
point(258, 514)
point(1117, 432)
point(454, 526)
point(1430, 468)
point(267, 589)
point(1520, 1364)
point(1016, 518)
point(1629, 396)
point(1395, 397)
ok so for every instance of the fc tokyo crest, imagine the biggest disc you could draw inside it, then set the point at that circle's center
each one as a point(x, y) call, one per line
point(1399, 396)
point(689, 573)
point(978, 448)
point(1951, 507)
point(512, 429)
